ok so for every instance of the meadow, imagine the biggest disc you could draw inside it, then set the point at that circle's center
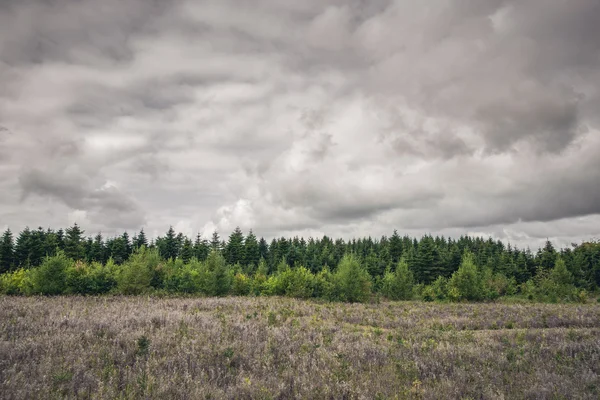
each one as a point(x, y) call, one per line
point(147, 347)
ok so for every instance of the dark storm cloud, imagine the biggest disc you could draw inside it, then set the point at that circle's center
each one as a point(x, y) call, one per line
point(338, 117)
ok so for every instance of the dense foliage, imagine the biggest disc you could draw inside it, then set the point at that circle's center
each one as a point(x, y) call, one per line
point(400, 268)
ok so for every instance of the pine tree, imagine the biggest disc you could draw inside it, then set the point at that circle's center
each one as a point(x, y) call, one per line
point(263, 249)
point(547, 256)
point(201, 248)
point(118, 249)
point(427, 262)
point(187, 250)
point(51, 247)
point(6, 252)
point(23, 248)
point(74, 243)
point(60, 239)
point(169, 247)
point(251, 250)
point(234, 250)
point(215, 242)
point(398, 285)
point(395, 247)
point(97, 252)
point(141, 240)
point(36, 246)
point(466, 282)
point(353, 280)
point(127, 244)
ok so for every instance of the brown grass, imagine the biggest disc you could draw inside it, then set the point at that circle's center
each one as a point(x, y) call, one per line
point(140, 347)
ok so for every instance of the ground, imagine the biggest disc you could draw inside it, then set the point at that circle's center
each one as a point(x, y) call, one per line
point(200, 348)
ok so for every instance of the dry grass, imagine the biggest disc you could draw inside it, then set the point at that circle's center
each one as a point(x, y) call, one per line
point(138, 347)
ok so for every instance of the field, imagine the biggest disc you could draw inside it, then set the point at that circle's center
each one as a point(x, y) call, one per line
point(270, 348)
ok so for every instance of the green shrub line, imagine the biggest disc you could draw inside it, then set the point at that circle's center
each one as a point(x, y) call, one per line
point(145, 272)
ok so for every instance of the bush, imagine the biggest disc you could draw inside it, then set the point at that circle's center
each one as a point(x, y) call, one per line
point(218, 277)
point(325, 286)
point(398, 285)
point(353, 280)
point(139, 272)
point(50, 277)
point(242, 285)
point(438, 290)
point(96, 278)
point(466, 283)
point(554, 285)
point(298, 282)
point(16, 283)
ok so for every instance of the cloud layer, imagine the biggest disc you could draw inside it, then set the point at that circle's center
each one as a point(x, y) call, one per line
point(346, 118)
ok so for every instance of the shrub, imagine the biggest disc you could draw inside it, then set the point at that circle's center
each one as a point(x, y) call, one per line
point(16, 283)
point(325, 286)
point(242, 285)
point(398, 285)
point(218, 277)
point(50, 277)
point(297, 282)
point(138, 273)
point(466, 282)
point(258, 283)
point(353, 280)
point(96, 278)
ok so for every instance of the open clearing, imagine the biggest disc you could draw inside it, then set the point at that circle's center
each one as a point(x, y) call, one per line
point(144, 347)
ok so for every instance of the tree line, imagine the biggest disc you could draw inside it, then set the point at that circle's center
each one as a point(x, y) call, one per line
point(46, 261)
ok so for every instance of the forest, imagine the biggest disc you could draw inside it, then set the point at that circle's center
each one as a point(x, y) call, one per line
point(397, 267)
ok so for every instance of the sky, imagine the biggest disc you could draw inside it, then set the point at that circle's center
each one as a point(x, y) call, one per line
point(346, 118)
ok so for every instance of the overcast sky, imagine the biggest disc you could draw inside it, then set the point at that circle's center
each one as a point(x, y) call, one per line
point(346, 118)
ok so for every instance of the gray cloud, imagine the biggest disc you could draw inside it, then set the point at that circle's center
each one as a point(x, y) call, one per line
point(107, 206)
point(340, 117)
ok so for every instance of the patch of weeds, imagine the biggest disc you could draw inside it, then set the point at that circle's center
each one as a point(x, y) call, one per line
point(572, 335)
point(327, 338)
point(61, 377)
point(183, 330)
point(143, 346)
point(286, 313)
point(271, 318)
point(510, 325)
point(228, 353)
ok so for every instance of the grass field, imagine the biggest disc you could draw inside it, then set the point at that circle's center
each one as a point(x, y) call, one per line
point(140, 347)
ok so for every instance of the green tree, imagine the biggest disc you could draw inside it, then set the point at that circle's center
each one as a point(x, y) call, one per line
point(251, 250)
point(234, 250)
point(215, 242)
point(547, 256)
point(136, 275)
point(398, 285)
point(6, 252)
point(395, 247)
point(219, 280)
point(353, 280)
point(427, 263)
point(140, 240)
point(74, 243)
point(98, 251)
point(263, 249)
point(560, 274)
point(466, 282)
point(187, 250)
point(201, 248)
point(50, 277)
point(23, 248)
point(169, 248)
